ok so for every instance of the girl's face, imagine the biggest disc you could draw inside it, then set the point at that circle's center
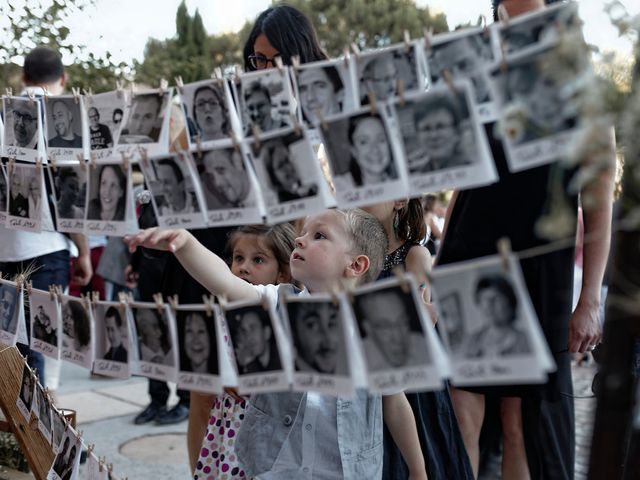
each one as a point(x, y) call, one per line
point(370, 147)
point(110, 189)
point(254, 262)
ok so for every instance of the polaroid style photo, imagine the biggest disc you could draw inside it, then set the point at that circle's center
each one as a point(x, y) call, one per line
point(265, 101)
point(289, 173)
point(45, 324)
point(229, 186)
point(65, 122)
point(444, 142)
point(4, 186)
point(23, 129)
point(96, 469)
point(45, 421)
point(71, 189)
point(398, 342)
point(66, 463)
point(174, 191)
point(59, 426)
point(25, 197)
point(105, 112)
point(199, 364)
point(210, 112)
point(319, 337)
point(538, 118)
point(155, 349)
point(389, 72)
point(535, 28)
point(464, 54)
point(10, 298)
point(27, 392)
point(77, 331)
point(365, 157)
point(112, 343)
point(488, 324)
point(324, 89)
point(110, 208)
point(259, 346)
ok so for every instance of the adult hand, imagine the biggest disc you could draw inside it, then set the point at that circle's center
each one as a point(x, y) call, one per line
point(130, 277)
point(82, 270)
point(154, 238)
point(584, 328)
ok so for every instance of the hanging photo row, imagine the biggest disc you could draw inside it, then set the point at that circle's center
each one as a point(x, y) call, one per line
point(395, 122)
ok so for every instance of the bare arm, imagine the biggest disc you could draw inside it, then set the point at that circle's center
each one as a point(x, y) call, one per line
point(401, 423)
point(597, 195)
point(83, 271)
point(203, 265)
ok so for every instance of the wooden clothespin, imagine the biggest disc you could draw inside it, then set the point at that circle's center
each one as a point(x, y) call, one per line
point(398, 272)
point(31, 95)
point(255, 130)
point(79, 438)
point(485, 26)
point(373, 103)
point(9, 93)
point(179, 83)
point(323, 122)
point(157, 298)
point(295, 61)
point(109, 467)
point(46, 93)
point(235, 141)
point(504, 250)
point(355, 49)
point(296, 124)
point(208, 304)
point(76, 94)
point(448, 79)
point(125, 160)
point(29, 285)
point(407, 40)
point(217, 74)
point(503, 15)
point(39, 162)
point(87, 93)
point(400, 91)
point(95, 297)
point(101, 462)
point(199, 146)
point(264, 301)
point(428, 33)
point(94, 161)
point(90, 449)
point(52, 292)
point(11, 165)
point(280, 65)
point(144, 156)
point(173, 302)
point(346, 54)
point(164, 86)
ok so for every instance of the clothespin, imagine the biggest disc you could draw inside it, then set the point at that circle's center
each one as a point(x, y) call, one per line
point(164, 86)
point(46, 93)
point(95, 297)
point(295, 61)
point(398, 272)
point(255, 130)
point(355, 49)
point(407, 40)
point(296, 124)
point(400, 91)
point(428, 33)
point(504, 249)
point(20, 279)
point(94, 161)
point(448, 79)
point(157, 298)
point(173, 302)
point(323, 122)
point(79, 438)
point(503, 15)
point(217, 74)
point(485, 25)
point(109, 467)
point(33, 423)
point(234, 140)
point(119, 89)
point(179, 83)
point(504, 67)
point(76, 94)
point(208, 304)
point(373, 104)
point(144, 156)
point(87, 93)
point(9, 93)
point(11, 165)
point(125, 160)
point(346, 54)
point(31, 95)
point(39, 163)
point(52, 292)
point(199, 146)
point(90, 449)
point(279, 64)
point(81, 161)
point(101, 462)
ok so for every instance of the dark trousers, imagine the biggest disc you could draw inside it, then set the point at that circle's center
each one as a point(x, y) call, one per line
point(159, 392)
point(50, 269)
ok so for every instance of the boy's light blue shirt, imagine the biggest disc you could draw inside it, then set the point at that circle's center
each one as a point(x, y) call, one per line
point(311, 436)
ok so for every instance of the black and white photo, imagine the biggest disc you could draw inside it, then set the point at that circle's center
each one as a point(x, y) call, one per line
point(104, 114)
point(45, 332)
point(9, 298)
point(44, 413)
point(22, 127)
point(71, 189)
point(67, 460)
point(59, 426)
point(3, 196)
point(25, 197)
point(147, 114)
point(367, 167)
point(265, 101)
point(109, 201)
point(173, 189)
point(76, 332)
point(324, 89)
point(27, 392)
point(112, 342)
point(156, 342)
point(64, 126)
point(207, 111)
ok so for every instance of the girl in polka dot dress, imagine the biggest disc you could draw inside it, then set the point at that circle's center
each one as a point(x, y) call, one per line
point(260, 255)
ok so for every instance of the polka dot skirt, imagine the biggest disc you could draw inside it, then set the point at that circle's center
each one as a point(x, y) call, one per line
point(218, 460)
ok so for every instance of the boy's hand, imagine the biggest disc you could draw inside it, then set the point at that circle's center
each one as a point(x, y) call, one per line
point(168, 240)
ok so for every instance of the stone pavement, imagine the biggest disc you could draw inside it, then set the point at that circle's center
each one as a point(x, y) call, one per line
point(106, 407)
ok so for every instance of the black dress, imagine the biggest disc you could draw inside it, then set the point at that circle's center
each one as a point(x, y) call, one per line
point(511, 208)
point(444, 453)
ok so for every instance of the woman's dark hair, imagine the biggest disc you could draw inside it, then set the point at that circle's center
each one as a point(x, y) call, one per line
point(81, 327)
point(122, 181)
point(221, 102)
point(502, 285)
point(185, 361)
point(354, 167)
point(112, 312)
point(411, 226)
point(289, 31)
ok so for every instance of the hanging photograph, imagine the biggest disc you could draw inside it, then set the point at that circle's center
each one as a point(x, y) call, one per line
point(76, 331)
point(9, 311)
point(323, 89)
point(388, 72)
point(3, 196)
point(45, 330)
point(64, 121)
point(155, 347)
point(230, 190)
point(397, 337)
point(266, 101)
point(538, 112)
point(366, 159)
point(27, 392)
point(66, 463)
point(445, 145)
point(199, 368)
point(173, 187)
point(290, 176)
point(59, 427)
point(71, 195)
point(44, 413)
point(146, 117)
point(488, 324)
point(113, 344)
point(22, 128)
point(461, 55)
point(105, 112)
point(319, 335)
point(258, 342)
point(25, 197)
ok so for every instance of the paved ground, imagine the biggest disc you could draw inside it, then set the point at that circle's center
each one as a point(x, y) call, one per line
point(106, 409)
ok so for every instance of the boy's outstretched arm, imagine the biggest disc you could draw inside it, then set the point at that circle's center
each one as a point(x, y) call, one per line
point(203, 265)
point(401, 423)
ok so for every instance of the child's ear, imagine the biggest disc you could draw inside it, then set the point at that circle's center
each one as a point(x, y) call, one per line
point(358, 267)
point(284, 276)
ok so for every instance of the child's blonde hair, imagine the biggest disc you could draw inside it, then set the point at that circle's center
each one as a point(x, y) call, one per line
point(280, 239)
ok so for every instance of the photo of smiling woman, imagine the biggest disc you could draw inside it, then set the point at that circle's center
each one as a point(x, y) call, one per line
point(109, 195)
point(197, 337)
